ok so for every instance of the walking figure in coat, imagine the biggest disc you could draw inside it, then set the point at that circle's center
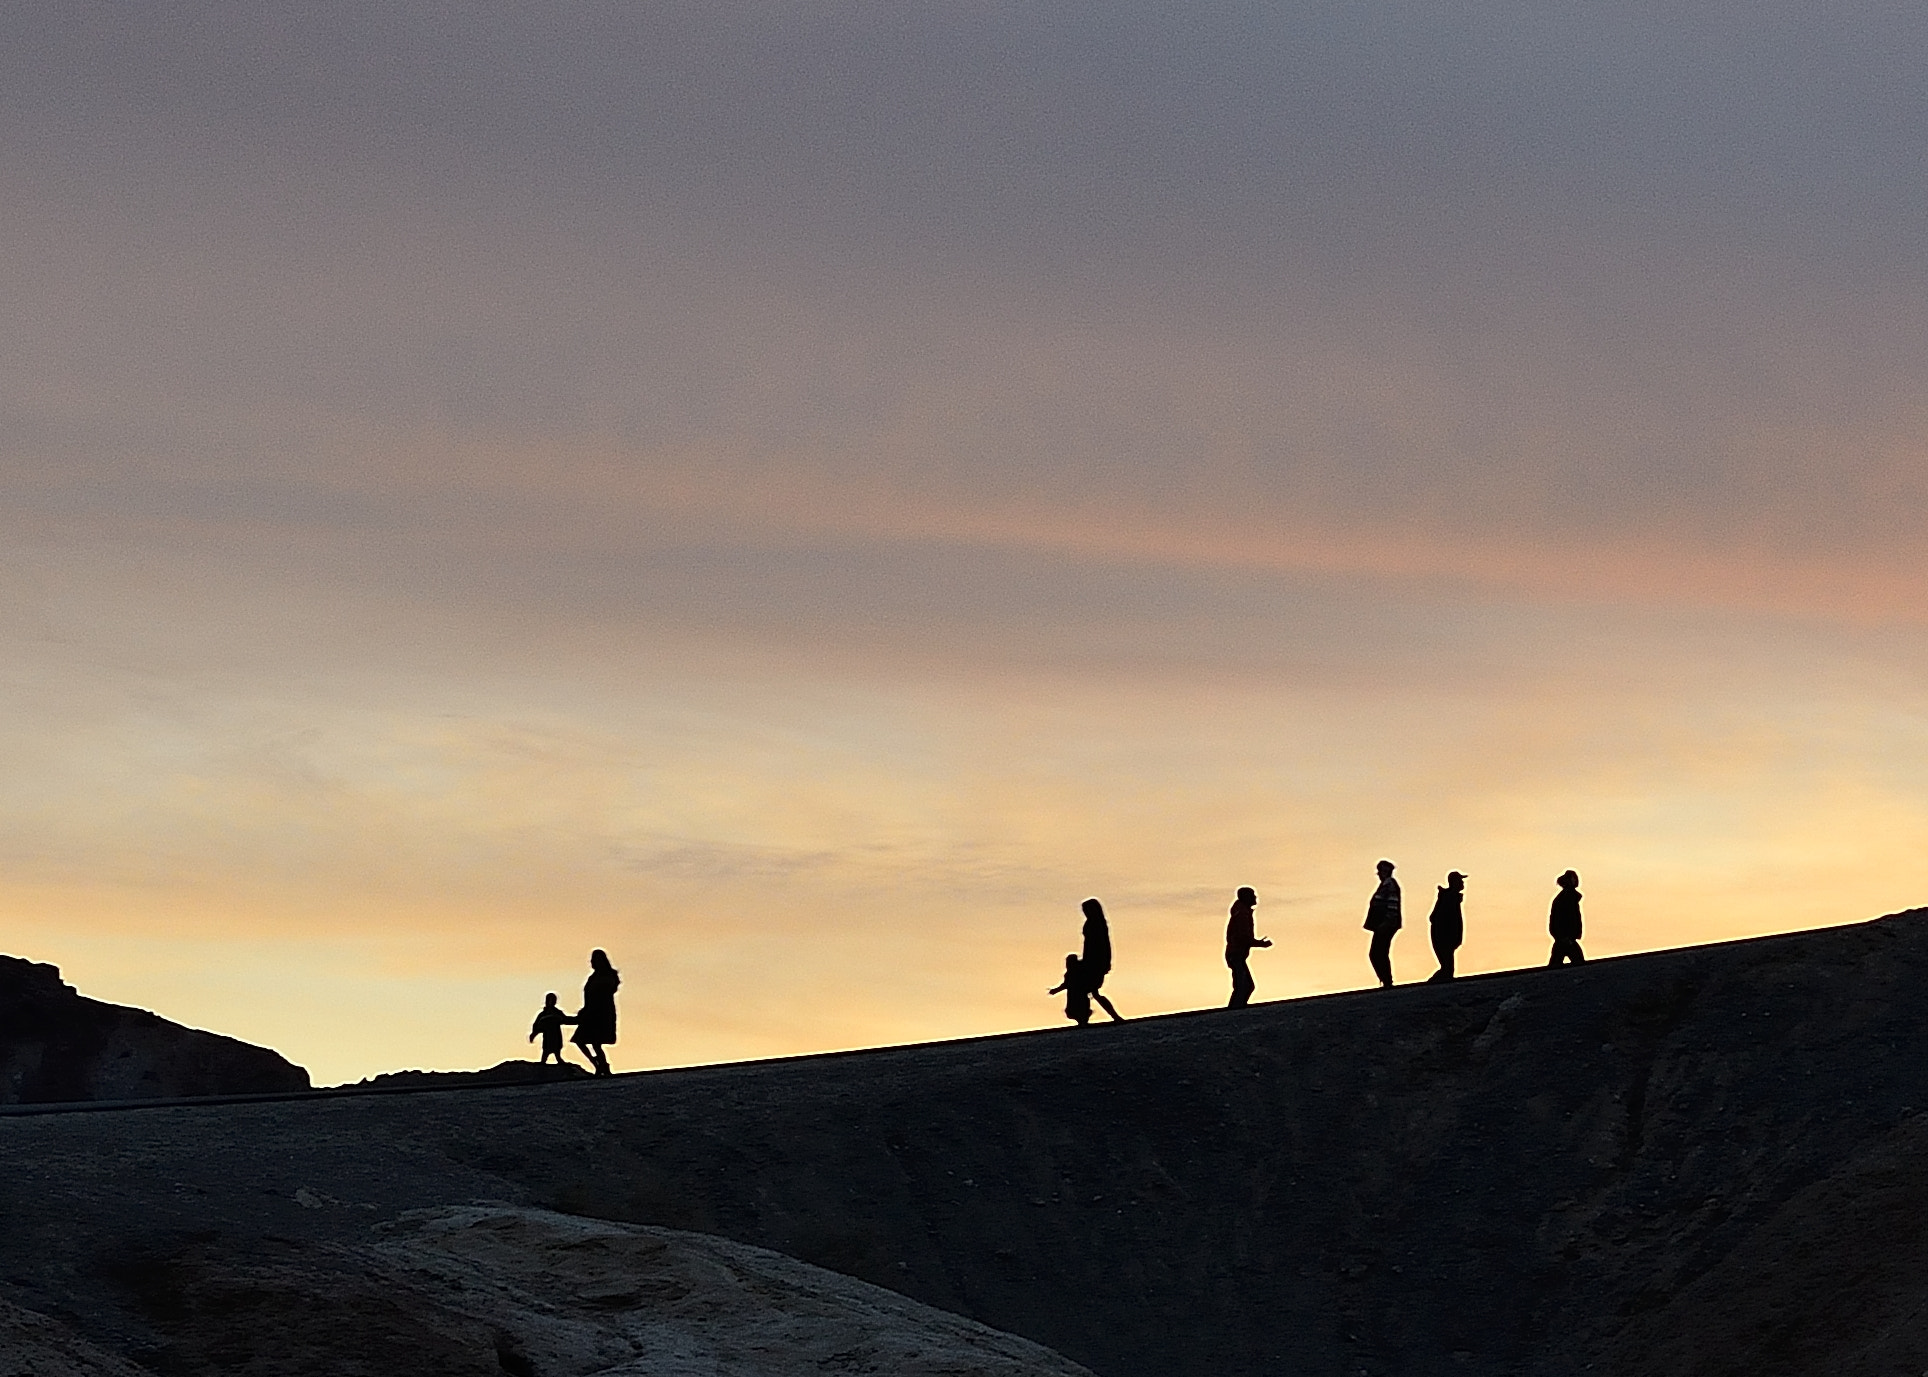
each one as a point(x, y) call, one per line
point(548, 1026)
point(1448, 924)
point(1095, 964)
point(1563, 922)
point(596, 1023)
point(1239, 942)
point(1382, 921)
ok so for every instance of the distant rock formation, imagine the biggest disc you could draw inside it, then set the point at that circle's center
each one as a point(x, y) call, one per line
point(56, 1045)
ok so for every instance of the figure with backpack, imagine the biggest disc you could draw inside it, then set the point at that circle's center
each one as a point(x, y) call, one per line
point(1383, 921)
point(1448, 924)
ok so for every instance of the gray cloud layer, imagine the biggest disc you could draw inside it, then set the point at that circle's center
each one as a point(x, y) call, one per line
point(1073, 121)
point(1621, 270)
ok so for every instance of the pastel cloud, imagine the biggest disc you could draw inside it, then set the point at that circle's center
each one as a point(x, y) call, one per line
point(1468, 271)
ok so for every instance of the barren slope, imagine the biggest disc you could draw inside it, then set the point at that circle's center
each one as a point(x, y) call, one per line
point(1700, 1161)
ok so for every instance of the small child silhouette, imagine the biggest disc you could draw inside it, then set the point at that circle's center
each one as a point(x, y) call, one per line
point(1077, 999)
point(549, 1024)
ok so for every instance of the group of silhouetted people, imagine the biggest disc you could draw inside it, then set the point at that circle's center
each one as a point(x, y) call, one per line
point(595, 1022)
point(1085, 972)
point(1448, 924)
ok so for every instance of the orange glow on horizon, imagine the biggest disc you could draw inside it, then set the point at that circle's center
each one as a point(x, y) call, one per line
point(784, 876)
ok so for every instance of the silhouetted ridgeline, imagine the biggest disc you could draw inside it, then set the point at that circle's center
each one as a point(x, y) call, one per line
point(513, 1072)
point(56, 1045)
point(1706, 1161)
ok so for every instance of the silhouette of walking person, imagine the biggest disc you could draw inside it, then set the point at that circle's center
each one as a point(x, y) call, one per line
point(1563, 922)
point(1382, 921)
point(1095, 964)
point(1077, 994)
point(1239, 942)
point(596, 1022)
point(1448, 924)
point(548, 1026)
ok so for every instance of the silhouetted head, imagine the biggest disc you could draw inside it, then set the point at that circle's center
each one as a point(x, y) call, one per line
point(1385, 869)
point(1569, 880)
point(1455, 880)
point(1247, 895)
point(1093, 909)
point(599, 959)
point(549, 1000)
point(1071, 961)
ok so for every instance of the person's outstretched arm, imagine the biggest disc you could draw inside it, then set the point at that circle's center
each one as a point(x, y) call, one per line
point(1056, 988)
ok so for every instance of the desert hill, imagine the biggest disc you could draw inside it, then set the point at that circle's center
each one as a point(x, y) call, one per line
point(1704, 1161)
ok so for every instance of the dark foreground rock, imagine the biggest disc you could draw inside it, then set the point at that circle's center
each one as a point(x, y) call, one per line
point(33, 1345)
point(56, 1045)
point(479, 1291)
point(1707, 1162)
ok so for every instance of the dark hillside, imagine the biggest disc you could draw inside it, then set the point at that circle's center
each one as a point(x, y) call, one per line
point(1705, 1161)
point(58, 1045)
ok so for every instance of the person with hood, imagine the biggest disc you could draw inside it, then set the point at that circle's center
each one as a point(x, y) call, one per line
point(1095, 964)
point(548, 1026)
point(1239, 942)
point(596, 1023)
point(1448, 925)
point(1077, 994)
point(1563, 922)
point(1382, 921)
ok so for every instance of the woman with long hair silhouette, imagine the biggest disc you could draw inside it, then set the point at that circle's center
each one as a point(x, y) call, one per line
point(596, 1024)
point(1095, 964)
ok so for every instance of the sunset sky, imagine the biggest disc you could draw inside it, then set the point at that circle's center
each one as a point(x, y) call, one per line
point(801, 494)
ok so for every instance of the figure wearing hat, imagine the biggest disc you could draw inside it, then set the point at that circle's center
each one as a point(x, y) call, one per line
point(1448, 924)
point(1563, 922)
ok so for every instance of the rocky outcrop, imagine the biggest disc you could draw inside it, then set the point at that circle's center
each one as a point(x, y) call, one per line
point(32, 1345)
point(56, 1045)
point(490, 1290)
